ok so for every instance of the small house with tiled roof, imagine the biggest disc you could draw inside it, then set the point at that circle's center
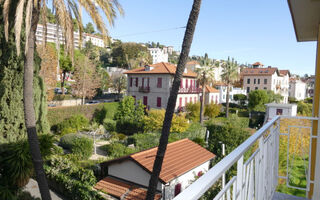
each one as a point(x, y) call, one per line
point(212, 95)
point(128, 177)
point(152, 84)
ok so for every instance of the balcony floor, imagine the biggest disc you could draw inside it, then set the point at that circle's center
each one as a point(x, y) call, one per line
point(280, 196)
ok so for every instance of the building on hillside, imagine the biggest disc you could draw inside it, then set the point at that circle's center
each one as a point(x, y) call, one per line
point(274, 109)
point(267, 79)
point(95, 40)
point(152, 84)
point(193, 65)
point(257, 65)
point(128, 177)
point(169, 50)
point(297, 89)
point(223, 92)
point(158, 55)
point(310, 81)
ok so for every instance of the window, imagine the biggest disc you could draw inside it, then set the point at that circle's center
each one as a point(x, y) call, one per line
point(142, 82)
point(177, 189)
point(265, 81)
point(279, 111)
point(145, 100)
point(181, 85)
point(265, 88)
point(131, 80)
point(148, 82)
point(230, 97)
point(195, 99)
point(137, 81)
point(224, 96)
point(158, 101)
point(248, 81)
point(187, 83)
point(254, 81)
point(185, 101)
point(180, 102)
point(256, 88)
point(159, 84)
point(258, 81)
point(248, 90)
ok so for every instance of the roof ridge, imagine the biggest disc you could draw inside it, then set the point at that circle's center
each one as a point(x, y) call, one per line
point(165, 65)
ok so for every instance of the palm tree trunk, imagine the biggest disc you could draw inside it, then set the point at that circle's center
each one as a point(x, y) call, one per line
point(63, 80)
point(202, 103)
point(29, 113)
point(227, 101)
point(193, 17)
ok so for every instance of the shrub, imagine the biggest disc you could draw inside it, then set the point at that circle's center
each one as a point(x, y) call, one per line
point(154, 121)
point(304, 108)
point(116, 150)
point(72, 181)
point(106, 112)
point(82, 148)
point(199, 141)
point(129, 126)
point(109, 125)
point(72, 124)
point(80, 145)
point(144, 141)
point(212, 110)
point(193, 111)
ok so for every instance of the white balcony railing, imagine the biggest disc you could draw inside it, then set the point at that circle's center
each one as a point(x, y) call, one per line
point(258, 174)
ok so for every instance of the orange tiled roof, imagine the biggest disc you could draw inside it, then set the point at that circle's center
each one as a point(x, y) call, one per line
point(258, 63)
point(284, 72)
point(259, 71)
point(193, 62)
point(160, 68)
point(123, 190)
point(181, 156)
point(210, 89)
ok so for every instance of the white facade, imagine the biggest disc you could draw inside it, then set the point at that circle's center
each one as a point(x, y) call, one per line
point(212, 97)
point(223, 93)
point(95, 40)
point(158, 55)
point(274, 109)
point(297, 89)
point(129, 171)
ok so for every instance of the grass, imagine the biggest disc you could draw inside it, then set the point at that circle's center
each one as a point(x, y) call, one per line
point(58, 114)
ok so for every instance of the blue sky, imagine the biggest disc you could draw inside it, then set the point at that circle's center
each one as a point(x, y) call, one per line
point(247, 30)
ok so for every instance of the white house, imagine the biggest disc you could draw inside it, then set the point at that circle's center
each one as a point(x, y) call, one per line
point(158, 55)
point(274, 109)
point(267, 79)
point(233, 90)
point(95, 40)
point(128, 177)
point(152, 84)
point(297, 89)
point(212, 95)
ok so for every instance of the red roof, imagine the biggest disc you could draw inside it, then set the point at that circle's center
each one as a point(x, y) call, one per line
point(258, 63)
point(193, 62)
point(284, 72)
point(160, 68)
point(123, 190)
point(259, 71)
point(210, 89)
point(181, 156)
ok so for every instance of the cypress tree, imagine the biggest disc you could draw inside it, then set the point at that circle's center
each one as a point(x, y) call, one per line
point(12, 125)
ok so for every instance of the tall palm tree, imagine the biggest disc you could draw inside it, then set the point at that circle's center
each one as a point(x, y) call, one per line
point(187, 40)
point(229, 74)
point(27, 14)
point(205, 75)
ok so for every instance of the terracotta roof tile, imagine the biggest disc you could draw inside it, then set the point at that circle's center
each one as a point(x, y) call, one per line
point(259, 71)
point(139, 194)
point(193, 62)
point(181, 157)
point(113, 187)
point(284, 72)
point(258, 63)
point(160, 68)
point(211, 89)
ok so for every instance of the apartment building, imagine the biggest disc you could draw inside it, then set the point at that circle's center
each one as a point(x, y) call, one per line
point(158, 55)
point(269, 78)
point(55, 35)
point(222, 88)
point(152, 84)
point(297, 89)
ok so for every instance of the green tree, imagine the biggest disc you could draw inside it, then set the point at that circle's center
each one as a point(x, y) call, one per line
point(119, 83)
point(229, 74)
point(193, 111)
point(186, 44)
point(257, 100)
point(212, 110)
point(89, 28)
point(66, 66)
point(274, 97)
point(304, 109)
point(205, 75)
point(241, 98)
point(26, 13)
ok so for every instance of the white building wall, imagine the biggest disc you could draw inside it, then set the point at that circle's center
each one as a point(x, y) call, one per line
point(212, 98)
point(130, 171)
point(185, 180)
point(158, 55)
point(286, 111)
point(232, 92)
point(297, 89)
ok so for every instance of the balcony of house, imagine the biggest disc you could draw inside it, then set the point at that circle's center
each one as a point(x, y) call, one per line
point(271, 162)
point(144, 89)
point(190, 90)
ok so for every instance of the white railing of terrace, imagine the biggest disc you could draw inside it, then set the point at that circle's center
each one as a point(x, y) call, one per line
point(257, 177)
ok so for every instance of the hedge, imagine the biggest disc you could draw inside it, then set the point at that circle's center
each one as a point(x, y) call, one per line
point(80, 145)
point(58, 114)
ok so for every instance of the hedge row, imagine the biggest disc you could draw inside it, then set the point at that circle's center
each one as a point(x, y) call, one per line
point(58, 114)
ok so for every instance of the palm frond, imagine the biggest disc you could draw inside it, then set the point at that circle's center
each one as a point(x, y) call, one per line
point(6, 7)
point(18, 24)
